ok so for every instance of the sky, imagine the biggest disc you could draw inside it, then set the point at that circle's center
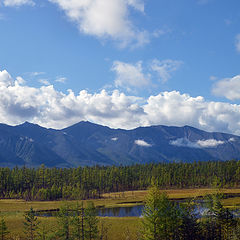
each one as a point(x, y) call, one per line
point(121, 63)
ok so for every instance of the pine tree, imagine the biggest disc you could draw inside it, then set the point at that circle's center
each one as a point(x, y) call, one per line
point(161, 218)
point(3, 229)
point(78, 222)
point(64, 223)
point(42, 233)
point(91, 221)
point(30, 224)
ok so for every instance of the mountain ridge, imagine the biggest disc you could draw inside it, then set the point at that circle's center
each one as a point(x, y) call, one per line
point(87, 143)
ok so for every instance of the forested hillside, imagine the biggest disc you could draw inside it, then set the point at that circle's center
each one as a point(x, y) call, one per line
point(90, 182)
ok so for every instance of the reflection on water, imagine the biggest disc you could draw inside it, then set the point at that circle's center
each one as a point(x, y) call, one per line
point(134, 211)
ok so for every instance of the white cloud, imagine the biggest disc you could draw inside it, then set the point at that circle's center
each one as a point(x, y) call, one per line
point(237, 42)
point(165, 68)
point(213, 78)
point(209, 143)
point(160, 32)
point(61, 79)
point(105, 19)
point(17, 3)
point(19, 81)
point(130, 75)
point(142, 143)
point(114, 139)
point(44, 81)
point(5, 79)
point(35, 74)
point(51, 108)
point(184, 142)
point(228, 87)
point(231, 139)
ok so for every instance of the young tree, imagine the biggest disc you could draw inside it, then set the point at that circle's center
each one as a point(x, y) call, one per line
point(64, 223)
point(3, 229)
point(91, 222)
point(78, 222)
point(161, 218)
point(103, 230)
point(30, 224)
point(189, 228)
point(42, 233)
point(219, 222)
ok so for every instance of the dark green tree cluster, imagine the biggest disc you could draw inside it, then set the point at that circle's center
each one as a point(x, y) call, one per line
point(166, 220)
point(90, 182)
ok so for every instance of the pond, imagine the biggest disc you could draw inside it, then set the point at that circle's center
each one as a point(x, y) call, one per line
point(133, 211)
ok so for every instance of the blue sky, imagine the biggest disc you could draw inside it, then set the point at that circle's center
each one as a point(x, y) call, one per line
point(123, 63)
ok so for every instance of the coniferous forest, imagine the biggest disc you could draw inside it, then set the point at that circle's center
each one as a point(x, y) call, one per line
point(90, 182)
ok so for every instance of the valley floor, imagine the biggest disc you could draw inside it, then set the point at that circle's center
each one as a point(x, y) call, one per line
point(13, 210)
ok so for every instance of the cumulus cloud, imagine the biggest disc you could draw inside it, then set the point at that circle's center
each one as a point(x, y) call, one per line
point(114, 139)
point(165, 68)
point(105, 19)
point(130, 75)
point(17, 3)
point(142, 143)
point(5, 79)
point(51, 108)
point(228, 88)
point(184, 142)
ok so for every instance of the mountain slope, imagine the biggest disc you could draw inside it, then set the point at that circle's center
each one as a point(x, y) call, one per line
point(86, 143)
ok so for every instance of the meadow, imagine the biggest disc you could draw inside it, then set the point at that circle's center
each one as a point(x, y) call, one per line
point(118, 228)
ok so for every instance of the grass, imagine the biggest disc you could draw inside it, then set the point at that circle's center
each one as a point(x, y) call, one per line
point(119, 228)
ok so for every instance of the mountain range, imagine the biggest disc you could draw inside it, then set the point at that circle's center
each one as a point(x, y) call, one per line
point(90, 144)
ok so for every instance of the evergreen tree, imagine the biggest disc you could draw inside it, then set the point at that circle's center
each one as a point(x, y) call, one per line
point(3, 229)
point(161, 218)
point(189, 228)
point(91, 220)
point(219, 222)
point(42, 233)
point(64, 223)
point(30, 224)
point(78, 222)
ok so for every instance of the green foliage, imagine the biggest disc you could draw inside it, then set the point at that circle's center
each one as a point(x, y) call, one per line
point(90, 182)
point(30, 224)
point(42, 233)
point(78, 222)
point(219, 222)
point(3, 229)
point(161, 217)
point(64, 223)
point(91, 222)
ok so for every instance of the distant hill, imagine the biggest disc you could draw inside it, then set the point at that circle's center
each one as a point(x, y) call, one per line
point(86, 143)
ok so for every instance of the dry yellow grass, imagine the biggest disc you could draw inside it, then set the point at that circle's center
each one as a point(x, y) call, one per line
point(119, 227)
point(172, 193)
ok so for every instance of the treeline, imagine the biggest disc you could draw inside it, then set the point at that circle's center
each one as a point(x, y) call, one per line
point(90, 182)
